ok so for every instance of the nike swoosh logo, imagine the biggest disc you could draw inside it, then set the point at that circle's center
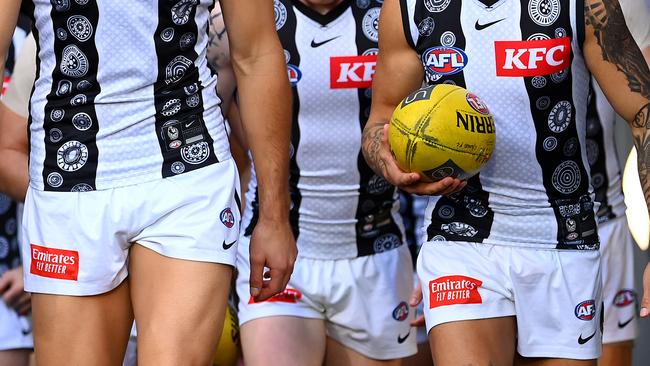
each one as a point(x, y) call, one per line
point(479, 27)
point(622, 325)
point(315, 44)
point(585, 340)
point(401, 339)
point(189, 124)
point(227, 246)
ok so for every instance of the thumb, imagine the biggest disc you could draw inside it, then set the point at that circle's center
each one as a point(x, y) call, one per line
point(416, 295)
point(645, 301)
point(5, 283)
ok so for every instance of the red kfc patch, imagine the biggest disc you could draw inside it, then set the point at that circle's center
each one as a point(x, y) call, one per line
point(452, 290)
point(54, 263)
point(289, 295)
point(352, 71)
point(532, 58)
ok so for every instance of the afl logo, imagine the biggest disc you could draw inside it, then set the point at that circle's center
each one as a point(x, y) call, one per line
point(401, 312)
point(294, 74)
point(280, 12)
point(586, 310)
point(227, 218)
point(444, 60)
point(477, 104)
point(624, 298)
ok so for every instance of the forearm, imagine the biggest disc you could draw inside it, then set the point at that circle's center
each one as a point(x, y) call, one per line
point(14, 178)
point(373, 135)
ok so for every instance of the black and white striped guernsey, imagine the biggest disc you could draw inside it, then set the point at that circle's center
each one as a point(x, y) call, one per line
point(340, 208)
point(524, 58)
point(123, 93)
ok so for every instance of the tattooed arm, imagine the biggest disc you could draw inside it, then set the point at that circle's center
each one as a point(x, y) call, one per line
point(618, 65)
point(399, 72)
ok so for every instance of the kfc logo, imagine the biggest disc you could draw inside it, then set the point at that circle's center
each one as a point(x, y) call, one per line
point(452, 290)
point(532, 58)
point(54, 263)
point(352, 72)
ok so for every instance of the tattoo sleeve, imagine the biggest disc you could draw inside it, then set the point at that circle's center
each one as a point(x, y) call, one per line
point(619, 48)
point(371, 146)
point(217, 41)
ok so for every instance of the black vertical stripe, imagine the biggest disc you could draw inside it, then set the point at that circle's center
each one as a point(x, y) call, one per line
point(557, 145)
point(185, 142)
point(403, 5)
point(70, 122)
point(287, 37)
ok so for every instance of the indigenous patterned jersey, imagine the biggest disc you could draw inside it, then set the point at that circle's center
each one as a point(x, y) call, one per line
point(524, 59)
point(123, 93)
point(340, 208)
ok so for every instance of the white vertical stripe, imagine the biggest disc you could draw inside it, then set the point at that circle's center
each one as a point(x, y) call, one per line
point(410, 6)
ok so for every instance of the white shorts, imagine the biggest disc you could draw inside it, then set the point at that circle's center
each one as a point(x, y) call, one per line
point(619, 296)
point(78, 243)
point(363, 300)
point(15, 330)
point(555, 295)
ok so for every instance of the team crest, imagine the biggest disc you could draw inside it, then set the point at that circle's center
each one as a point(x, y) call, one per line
point(370, 24)
point(280, 12)
point(436, 6)
point(544, 12)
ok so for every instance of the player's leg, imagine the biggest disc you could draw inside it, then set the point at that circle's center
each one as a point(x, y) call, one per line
point(522, 361)
point(283, 340)
point(15, 357)
point(422, 358)
point(617, 353)
point(338, 354)
point(179, 306)
point(468, 303)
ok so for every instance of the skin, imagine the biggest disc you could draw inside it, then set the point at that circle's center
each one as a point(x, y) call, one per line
point(618, 66)
point(159, 285)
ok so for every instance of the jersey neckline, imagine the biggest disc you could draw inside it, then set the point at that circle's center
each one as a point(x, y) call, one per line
point(322, 19)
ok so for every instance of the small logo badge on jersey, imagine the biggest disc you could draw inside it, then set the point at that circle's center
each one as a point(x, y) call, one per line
point(227, 218)
point(401, 312)
point(289, 295)
point(352, 72)
point(294, 74)
point(453, 290)
point(443, 60)
point(477, 104)
point(586, 310)
point(54, 263)
point(532, 58)
point(624, 297)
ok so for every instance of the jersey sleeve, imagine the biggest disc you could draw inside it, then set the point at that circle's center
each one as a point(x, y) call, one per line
point(407, 9)
point(22, 79)
point(637, 18)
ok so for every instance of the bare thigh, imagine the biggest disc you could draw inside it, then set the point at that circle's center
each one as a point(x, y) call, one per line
point(339, 355)
point(422, 358)
point(474, 342)
point(283, 340)
point(82, 330)
point(523, 361)
point(617, 354)
point(15, 357)
point(179, 307)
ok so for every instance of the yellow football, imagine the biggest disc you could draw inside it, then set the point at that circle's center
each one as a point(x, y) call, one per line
point(229, 350)
point(442, 131)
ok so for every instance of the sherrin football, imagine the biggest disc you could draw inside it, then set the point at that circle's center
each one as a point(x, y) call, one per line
point(442, 131)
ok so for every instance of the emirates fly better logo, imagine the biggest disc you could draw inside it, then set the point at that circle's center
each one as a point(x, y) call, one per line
point(452, 290)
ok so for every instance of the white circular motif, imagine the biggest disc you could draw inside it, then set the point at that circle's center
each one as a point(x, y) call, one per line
point(74, 63)
point(446, 212)
point(280, 12)
point(475, 206)
point(176, 69)
point(538, 37)
point(544, 12)
point(81, 2)
point(377, 185)
point(560, 32)
point(54, 180)
point(570, 147)
point(436, 6)
point(72, 156)
point(426, 26)
point(181, 11)
point(80, 27)
point(195, 153)
point(56, 135)
point(438, 238)
point(459, 228)
point(61, 34)
point(178, 167)
point(79, 99)
point(597, 180)
point(193, 100)
point(550, 143)
point(448, 39)
point(57, 115)
point(370, 52)
point(543, 103)
point(592, 151)
point(11, 226)
point(386, 242)
point(187, 40)
point(370, 24)
point(287, 56)
point(538, 82)
point(81, 187)
point(4, 247)
point(64, 87)
point(82, 121)
point(363, 4)
point(171, 107)
point(61, 5)
point(566, 177)
point(167, 34)
point(559, 76)
point(84, 85)
point(5, 204)
point(560, 116)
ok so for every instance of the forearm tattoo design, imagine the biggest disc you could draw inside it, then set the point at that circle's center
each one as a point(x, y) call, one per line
point(619, 48)
point(217, 35)
point(372, 140)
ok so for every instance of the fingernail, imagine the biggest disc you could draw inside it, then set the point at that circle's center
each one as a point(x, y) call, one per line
point(255, 291)
point(644, 312)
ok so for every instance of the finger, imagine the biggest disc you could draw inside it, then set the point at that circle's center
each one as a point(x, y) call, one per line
point(23, 303)
point(256, 281)
point(418, 322)
point(429, 188)
point(5, 283)
point(416, 296)
point(273, 286)
point(645, 301)
point(12, 295)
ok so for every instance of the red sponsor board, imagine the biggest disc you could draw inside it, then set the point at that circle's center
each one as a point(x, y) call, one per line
point(352, 72)
point(532, 58)
point(452, 290)
point(54, 263)
point(289, 295)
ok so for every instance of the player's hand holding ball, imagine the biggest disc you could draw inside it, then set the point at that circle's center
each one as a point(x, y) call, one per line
point(442, 133)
